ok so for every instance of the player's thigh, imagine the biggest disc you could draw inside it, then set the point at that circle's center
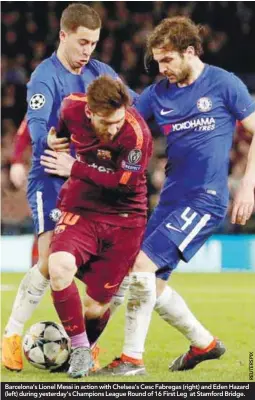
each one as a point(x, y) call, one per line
point(42, 198)
point(75, 235)
point(114, 262)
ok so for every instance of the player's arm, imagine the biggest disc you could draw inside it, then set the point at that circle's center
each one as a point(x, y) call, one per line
point(132, 163)
point(243, 204)
point(40, 99)
point(242, 107)
point(22, 141)
point(128, 172)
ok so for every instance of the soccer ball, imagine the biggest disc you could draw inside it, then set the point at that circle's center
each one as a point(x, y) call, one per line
point(46, 345)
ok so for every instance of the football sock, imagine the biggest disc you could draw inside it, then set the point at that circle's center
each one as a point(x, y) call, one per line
point(173, 309)
point(95, 327)
point(68, 305)
point(80, 340)
point(31, 290)
point(119, 297)
point(141, 300)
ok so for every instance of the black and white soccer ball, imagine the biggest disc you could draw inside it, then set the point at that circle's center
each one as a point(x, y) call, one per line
point(46, 345)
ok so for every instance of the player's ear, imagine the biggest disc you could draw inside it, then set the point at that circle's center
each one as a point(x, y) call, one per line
point(87, 111)
point(62, 35)
point(190, 50)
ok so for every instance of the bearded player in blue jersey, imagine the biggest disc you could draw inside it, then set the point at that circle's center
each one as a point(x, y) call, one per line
point(196, 105)
point(68, 70)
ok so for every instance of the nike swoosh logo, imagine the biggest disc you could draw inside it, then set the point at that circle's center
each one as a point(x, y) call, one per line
point(170, 226)
point(163, 112)
point(108, 286)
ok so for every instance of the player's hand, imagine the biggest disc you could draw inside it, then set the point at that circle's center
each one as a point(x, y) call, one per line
point(55, 143)
point(57, 163)
point(243, 204)
point(18, 175)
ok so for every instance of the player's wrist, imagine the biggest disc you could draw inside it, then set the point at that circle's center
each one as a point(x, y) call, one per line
point(248, 181)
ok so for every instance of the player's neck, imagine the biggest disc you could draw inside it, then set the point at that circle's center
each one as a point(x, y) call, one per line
point(197, 68)
point(62, 58)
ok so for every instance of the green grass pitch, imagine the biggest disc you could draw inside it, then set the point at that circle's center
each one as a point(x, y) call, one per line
point(225, 303)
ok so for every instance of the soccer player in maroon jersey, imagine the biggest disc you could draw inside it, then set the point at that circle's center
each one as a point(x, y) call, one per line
point(103, 206)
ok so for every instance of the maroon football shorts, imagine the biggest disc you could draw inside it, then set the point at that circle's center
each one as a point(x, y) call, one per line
point(104, 253)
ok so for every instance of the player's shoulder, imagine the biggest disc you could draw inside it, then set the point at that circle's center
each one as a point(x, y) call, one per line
point(157, 88)
point(220, 75)
point(44, 71)
point(101, 68)
point(73, 102)
point(137, 128)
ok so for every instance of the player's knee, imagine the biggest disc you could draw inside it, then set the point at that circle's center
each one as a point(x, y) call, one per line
point(94, 309)
point(143, 264)
point(62, 269)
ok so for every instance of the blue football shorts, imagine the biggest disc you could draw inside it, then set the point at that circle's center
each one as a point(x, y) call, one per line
point(42, 197)
point(176, 232)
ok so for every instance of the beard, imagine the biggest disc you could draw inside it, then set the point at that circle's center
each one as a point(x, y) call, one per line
point(182, 76)
point(104, 137)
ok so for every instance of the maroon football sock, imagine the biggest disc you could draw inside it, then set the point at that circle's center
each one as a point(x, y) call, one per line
point(68, 305)
point(96, 326)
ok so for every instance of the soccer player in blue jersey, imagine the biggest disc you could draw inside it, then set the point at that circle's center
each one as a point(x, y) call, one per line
point(196, 105)
point(69, 69)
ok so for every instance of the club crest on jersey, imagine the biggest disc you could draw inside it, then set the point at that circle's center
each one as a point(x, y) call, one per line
point(204, 104)
point(37, 101)
point(104, 154)
point(55, 214)
point(134, 156)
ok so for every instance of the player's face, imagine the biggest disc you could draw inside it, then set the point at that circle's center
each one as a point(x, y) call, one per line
point(79, 45)
point(108, 126)
point(172, 64)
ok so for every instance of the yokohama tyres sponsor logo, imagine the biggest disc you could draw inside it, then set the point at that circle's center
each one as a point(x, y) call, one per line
point(199, 124)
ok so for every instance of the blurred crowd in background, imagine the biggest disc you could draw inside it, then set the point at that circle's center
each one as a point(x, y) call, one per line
point(30, 34)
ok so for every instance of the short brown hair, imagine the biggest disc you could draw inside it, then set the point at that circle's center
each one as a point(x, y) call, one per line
point(78, 14)
point(177, 34)
point(106, 95)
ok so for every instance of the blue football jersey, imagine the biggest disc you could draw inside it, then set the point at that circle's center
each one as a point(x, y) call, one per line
point(198, 121)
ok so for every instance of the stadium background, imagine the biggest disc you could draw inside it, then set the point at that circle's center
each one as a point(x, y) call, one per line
point(223, 301)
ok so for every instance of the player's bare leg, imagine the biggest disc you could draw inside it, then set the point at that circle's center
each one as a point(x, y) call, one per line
point(66, 298)
point(141, 301)
point(31, 290)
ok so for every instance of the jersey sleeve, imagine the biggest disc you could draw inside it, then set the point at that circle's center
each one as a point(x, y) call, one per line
point(40, 99)
point(238, 100)
point(21, 142)
point(144, 103)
